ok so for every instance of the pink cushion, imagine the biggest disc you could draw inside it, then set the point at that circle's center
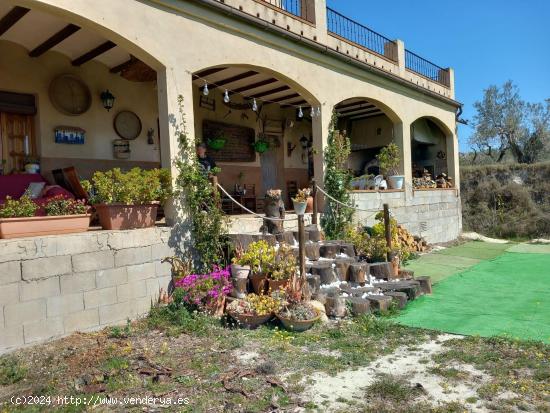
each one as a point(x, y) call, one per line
point(15, 185)
point(49, 193)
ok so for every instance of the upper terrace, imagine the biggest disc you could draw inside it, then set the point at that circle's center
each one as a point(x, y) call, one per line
point(313, 21)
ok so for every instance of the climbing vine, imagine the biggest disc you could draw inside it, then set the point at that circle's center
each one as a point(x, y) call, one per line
point(201, 200)
point(337, 182)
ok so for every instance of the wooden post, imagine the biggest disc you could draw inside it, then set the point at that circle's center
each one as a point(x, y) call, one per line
point(302, 246)
point(314, 195)
point(387, 227)
point(214, 182)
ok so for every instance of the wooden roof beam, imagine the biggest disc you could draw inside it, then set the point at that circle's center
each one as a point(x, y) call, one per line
point(53, 41)
point(13, 16)
point(92, 54)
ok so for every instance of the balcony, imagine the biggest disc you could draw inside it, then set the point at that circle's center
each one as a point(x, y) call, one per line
point(312, 20)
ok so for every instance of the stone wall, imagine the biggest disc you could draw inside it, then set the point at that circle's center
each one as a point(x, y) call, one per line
point(433, 214)
point(55, 285)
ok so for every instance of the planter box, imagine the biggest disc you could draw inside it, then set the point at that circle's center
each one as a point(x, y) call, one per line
point(37, 226)
point(119, 216)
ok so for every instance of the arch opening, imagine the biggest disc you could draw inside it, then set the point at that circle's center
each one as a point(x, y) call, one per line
point(370, 126)
point(431, 153)
point(256, 125)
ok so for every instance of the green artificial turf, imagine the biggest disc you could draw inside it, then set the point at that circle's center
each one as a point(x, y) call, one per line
point(507, 295)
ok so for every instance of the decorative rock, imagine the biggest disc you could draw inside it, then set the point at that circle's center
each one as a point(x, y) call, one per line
point(329, 250)
point(358, 272)
point(335, 306)
point(342, 267)
point(287, 237)
point(359, 305)
point(425, 284)
point(314, 282)
point(380, 302)
point(312, 251)
point(399, 298)
point(381, 270)
point(325, 271)
point(406, 274)
point(313, 233)
point(321, 297)
point(411, 288)
point(358, 292)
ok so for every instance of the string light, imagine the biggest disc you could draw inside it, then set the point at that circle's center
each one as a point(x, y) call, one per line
point(206, 91)
point(318, 110)
point(300, 113)
point(312, 112)
point(254, 106)
point(226, 96)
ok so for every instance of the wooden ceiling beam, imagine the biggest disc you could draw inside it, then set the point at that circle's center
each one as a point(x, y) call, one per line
point(373, 115)
point(57, 38)
point(361, 112)
point(13, 16)
point(232, 79)
point(348, 105)
point(124, 65)
point(355, 109)
point(287, 97)
point(270, 92)
point(255, 85)
point(208, 72)
point(300, 102)
point(92, 54)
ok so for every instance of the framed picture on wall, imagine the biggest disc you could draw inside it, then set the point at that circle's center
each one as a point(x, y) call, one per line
point(70, 135)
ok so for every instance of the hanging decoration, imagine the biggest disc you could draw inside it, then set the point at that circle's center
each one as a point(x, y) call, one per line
point(205, 90)
point(226, 96)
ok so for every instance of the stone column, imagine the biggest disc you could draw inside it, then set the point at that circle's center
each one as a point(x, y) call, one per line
point(321, 21)
point(171, 84)
point(320, 125)
point(452, 158)
point(401, 57)
point(402, 138)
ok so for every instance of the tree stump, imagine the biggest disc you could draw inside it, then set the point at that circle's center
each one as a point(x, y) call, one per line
point(359, 305)
point(425, 284)
point(348, 249)
point(312, 233)
point(411, 288)
point(380, 302)
point(381, 270)
point(325, 271)
point(342, 267)
point(399, 298)
point(314, 282)
point(358, 292)
point(329, 250)
point(359, 272)
point(406, 274)
point(287, 237)
point(312, 251)
point(336, 306)
point(274, 208)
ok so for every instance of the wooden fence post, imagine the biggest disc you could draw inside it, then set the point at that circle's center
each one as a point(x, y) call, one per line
point(314, 195)
point(302, 246)
point(387, 227)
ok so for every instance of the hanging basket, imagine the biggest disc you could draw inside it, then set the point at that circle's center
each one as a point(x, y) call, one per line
point(261, 146)
point(216, 144)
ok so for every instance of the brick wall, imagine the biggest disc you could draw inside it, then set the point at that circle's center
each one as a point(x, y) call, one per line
point(55, 285)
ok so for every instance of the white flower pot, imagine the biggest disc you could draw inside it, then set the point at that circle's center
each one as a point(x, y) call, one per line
point(299, 207)
point(396, 181)
point(240, 271)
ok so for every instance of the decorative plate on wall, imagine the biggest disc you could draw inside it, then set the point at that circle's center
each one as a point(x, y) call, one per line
point(70, 95)
point(127, 125)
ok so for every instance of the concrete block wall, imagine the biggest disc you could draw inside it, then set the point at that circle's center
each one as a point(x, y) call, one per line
point(436, 214)
point(55, 285)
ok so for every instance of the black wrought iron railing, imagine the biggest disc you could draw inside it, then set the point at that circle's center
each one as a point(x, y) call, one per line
point(355, 32)
point(304, 9)
point(426, 68)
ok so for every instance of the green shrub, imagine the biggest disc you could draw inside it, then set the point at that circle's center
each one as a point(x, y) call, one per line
point(59, 206)
point(137, 186)
point(11, 370)
point(18, 208)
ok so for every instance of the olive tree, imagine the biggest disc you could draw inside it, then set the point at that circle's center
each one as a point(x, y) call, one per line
point(504, 123)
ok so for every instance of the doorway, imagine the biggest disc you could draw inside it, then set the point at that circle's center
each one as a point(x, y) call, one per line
point(17, 141)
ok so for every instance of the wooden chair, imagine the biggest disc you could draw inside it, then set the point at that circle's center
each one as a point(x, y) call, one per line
point(249, 199)
point(291, 190)
point(73, 181)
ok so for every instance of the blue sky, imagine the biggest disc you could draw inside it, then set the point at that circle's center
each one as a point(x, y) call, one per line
point(485, 41)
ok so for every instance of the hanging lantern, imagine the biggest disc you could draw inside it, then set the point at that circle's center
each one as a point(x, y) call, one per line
point(107, 99)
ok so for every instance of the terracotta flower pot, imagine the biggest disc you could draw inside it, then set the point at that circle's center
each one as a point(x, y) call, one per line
point(298, 325)
point(309, 206)
point(276, 285)
point(119, 216)
point(47, 225)
point(251, 321)
point(259, 283)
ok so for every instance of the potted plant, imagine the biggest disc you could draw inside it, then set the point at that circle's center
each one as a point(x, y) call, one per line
point(254, 310)
point(259, 256)
point(298, 316)
point(217, 143)
point(205, 292)
point(283, 268)
point(300, 201)
point(125, 200)
point(239, 273)
point(32, 165)
point(63, 216)
point(261, 145)
point(388, 160)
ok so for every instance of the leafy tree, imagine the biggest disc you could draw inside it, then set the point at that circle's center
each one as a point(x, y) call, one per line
point(506, 123)
point(337, 182)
